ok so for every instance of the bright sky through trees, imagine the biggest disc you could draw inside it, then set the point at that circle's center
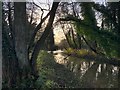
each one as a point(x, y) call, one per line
point(58, 32)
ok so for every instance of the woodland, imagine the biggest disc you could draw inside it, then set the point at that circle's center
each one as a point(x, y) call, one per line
point(87, 57)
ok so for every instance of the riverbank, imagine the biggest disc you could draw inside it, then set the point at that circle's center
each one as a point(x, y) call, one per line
point(91, 56)
point(54, 75)
point(74, 72)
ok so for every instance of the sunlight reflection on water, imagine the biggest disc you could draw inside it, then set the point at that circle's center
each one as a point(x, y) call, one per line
point(91, 74)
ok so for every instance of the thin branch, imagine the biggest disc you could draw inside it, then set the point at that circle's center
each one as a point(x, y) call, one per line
point(40, 7)
point(31, 16)
point(36, 30)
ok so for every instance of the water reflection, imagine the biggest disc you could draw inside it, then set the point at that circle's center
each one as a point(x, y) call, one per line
point(91, 74)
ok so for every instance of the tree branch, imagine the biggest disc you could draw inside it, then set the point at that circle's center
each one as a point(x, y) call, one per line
point(41, 41)
point(36, 30)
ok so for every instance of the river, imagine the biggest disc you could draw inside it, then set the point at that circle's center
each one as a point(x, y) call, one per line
point(90, 73)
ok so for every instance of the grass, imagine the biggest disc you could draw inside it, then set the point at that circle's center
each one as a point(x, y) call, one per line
point(80, 52)
point(91, 56)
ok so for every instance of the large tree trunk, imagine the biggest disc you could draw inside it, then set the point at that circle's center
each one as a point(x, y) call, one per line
point(10, 65)
point(50, 41)
point(20, 35)
point(45, 34)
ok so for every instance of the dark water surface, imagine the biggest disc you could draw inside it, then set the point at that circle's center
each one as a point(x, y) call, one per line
point(90, 73)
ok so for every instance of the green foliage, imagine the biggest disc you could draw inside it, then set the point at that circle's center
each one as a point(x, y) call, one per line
point(52, 74)
point(108, 41)
point(80, 52)
point(88, 14)
point(45, 71)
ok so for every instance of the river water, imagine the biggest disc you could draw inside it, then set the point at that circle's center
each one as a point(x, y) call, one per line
point(90, 73)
